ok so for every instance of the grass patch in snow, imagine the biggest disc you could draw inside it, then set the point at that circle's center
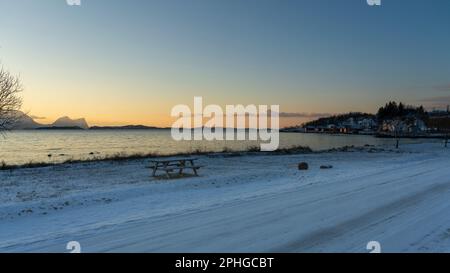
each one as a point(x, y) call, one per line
point(127, 157)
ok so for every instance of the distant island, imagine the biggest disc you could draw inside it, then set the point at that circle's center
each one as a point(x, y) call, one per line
point(100, 128)
point(60, 128)
point(127, 127)
point(25, 122)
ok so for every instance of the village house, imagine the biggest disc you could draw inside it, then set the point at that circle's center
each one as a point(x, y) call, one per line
point(410, 125)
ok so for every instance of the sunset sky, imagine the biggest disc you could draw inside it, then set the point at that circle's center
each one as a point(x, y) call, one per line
point(119, 62)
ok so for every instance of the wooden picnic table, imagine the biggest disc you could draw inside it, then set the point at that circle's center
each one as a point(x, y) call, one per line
point(170, 165)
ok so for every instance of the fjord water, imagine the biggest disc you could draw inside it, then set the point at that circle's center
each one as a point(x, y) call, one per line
point(18, 147)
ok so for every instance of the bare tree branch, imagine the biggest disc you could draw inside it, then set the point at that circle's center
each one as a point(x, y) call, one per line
point(10, 101)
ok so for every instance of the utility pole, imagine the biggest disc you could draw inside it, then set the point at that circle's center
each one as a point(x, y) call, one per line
point(397, 141)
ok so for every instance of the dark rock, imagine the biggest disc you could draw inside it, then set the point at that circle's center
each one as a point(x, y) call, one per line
point(303, 166)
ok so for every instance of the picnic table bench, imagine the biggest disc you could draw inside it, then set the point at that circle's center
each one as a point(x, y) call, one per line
point(170, 165)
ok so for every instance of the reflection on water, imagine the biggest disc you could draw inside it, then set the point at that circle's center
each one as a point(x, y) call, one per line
point(56, 146)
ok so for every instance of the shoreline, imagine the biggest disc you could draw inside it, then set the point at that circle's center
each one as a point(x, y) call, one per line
point(296, 150)
point(126, 157)
point(49, 149)
point(442, 136)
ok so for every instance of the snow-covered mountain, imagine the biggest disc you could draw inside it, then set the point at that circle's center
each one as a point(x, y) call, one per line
point(68, 122)
point(25, 122)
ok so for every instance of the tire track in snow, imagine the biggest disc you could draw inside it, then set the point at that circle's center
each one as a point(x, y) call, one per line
point(325, 235)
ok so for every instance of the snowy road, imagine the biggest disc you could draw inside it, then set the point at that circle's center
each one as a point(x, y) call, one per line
point(400, 200)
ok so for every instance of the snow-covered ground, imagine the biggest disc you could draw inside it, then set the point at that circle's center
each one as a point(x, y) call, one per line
point(239, 204)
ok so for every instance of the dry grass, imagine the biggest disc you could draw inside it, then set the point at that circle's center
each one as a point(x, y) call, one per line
point(120, 157)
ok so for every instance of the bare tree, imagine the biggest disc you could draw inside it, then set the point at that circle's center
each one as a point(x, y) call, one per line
point(10, 101)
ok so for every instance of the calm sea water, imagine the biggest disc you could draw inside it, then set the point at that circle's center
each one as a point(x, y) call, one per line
point(34, 146)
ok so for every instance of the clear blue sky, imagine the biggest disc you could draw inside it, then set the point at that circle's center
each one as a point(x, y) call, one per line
point(118, 61)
